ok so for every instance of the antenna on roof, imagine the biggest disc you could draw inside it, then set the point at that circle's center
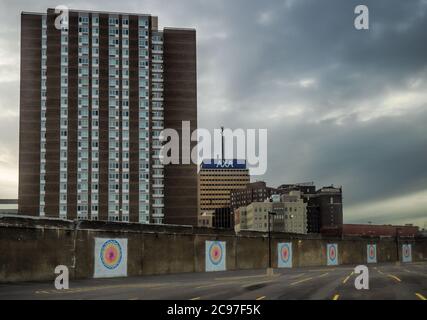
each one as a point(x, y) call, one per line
point(222, 144)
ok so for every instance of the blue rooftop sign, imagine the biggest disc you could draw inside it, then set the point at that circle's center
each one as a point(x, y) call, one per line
point(224, 164)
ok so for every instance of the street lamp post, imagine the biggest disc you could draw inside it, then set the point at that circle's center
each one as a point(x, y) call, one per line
point(397, 244)
point(270, 213)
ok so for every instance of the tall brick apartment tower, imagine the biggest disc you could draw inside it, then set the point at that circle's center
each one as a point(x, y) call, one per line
point(94, 98)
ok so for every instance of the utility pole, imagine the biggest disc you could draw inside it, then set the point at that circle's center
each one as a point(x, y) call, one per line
point(269, 269)
point(269, 242)
point(397, 245)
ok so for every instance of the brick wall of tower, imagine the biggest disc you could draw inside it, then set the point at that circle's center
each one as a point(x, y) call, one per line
point(29, 119)
point(180, 104)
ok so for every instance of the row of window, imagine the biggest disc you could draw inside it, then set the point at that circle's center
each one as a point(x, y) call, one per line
point(43, 115)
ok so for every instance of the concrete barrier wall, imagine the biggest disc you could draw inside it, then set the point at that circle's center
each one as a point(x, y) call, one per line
point(30, 248)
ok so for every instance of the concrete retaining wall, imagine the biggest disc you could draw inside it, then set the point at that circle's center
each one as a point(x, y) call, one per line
point(30, 248)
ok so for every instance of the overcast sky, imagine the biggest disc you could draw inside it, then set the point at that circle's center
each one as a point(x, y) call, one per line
point(341, 106)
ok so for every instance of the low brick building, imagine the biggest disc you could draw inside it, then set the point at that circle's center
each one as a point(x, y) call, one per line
point(379, 230)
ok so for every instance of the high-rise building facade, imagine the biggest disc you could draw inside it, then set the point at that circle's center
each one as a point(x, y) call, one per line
point(95, 96)
point(217, 178)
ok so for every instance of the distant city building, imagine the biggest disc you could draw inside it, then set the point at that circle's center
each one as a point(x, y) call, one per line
point(253, 217)
point(308, 192)
point(294, 212)
point(331, 210)
point(94, 98)
point(252, 192)
point(205, 220)
point(365, 230)
point(217, 178)
point(240, 219)
point(290, 215)
point(324, 207)
point(223, 218)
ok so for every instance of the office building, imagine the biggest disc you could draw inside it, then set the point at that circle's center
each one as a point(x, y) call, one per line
point(329, 201)
point(308, 192)
point(217, 178)
point(324, 206)
point(95, 96)
point(294, 212)
point(253, 217)
point(290, 215)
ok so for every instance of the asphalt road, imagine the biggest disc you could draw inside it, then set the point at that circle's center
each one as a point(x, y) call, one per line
point(387, 281)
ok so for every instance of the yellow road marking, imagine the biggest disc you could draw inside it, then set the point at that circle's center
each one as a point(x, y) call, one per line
point(42, 291)
point(347, 278)
point(420, 296)
point(394, 277)
point(261, 298)
point(308, 279)
point(336, 297)
point(196, 298)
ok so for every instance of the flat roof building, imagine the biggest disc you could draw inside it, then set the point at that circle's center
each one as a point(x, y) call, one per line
point(252, 192)
point(290, 215)
point(217, 178)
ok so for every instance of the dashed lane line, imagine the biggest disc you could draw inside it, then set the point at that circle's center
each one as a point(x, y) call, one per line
point(42, 292)
point(301, 281)
point(298, 276)
point(420, 296)
point(196, 298)
point(390, 276)
point(308, 279)
point(261, 298)
point(347, 278)
point(394, 277)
